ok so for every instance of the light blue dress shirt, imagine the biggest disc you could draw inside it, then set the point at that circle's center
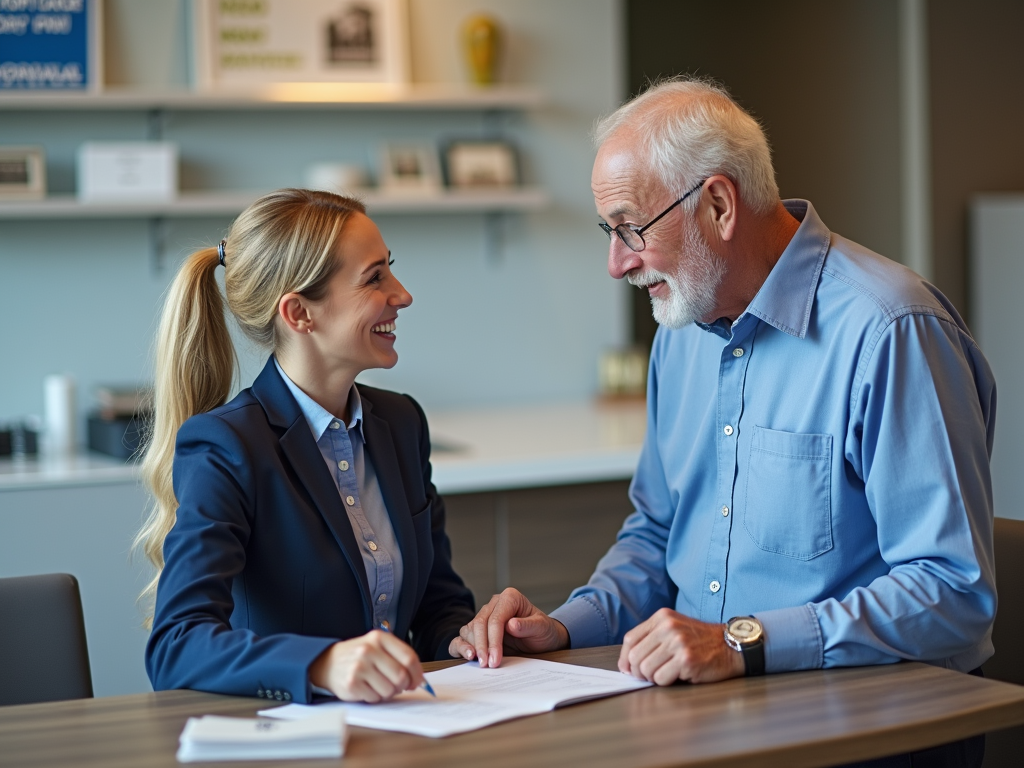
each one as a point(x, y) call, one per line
point(343, 448)
point(821, 463)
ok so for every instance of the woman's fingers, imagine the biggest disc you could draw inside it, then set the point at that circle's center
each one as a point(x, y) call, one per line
point(374, 667)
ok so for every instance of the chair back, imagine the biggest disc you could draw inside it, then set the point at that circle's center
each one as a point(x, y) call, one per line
point(1007, 664)
point(43, 655)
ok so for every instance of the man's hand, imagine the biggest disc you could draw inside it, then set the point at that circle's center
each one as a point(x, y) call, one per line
point(669, 647)
point(508, 622)
point(373, 667)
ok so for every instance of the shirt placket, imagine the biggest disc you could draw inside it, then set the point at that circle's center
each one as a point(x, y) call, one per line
point(381, 580)
point(732, 373)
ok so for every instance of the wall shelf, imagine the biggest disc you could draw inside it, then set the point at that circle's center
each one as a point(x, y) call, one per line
point(336, 96)
point(211, 204)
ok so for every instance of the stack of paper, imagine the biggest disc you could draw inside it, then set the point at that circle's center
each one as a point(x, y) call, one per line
point(233, 738)
point(469, 697)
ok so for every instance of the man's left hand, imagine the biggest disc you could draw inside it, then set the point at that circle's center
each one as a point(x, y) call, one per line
point(669, 647)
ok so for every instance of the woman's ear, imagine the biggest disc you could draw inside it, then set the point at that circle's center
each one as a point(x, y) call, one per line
point(294, 312)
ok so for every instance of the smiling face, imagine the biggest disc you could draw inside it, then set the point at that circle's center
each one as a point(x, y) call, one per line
point(677, 266)
point(354, 324)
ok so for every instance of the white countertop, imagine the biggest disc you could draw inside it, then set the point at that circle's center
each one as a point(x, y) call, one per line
point(528, 446)
point(475, 450)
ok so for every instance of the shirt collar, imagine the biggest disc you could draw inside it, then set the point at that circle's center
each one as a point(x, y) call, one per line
point(786, 298)
point(319, 418)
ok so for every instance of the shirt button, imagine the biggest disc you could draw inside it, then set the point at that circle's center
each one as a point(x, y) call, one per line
point(350, 501)
point(715, 586)
point(727, 430)
point(381, 597)
point(738, 352)
point(343, 465)
point(725, 511)
point(373, 546)
point(335, 425)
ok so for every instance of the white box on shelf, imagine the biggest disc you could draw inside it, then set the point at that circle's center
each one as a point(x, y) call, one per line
point(127, 171)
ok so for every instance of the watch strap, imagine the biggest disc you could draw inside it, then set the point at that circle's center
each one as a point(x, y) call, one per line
point(753, 658)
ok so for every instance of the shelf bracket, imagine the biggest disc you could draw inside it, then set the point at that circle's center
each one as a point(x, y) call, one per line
point(492, 124)
point(158, 234)
point(156, 122)
point(494, 237)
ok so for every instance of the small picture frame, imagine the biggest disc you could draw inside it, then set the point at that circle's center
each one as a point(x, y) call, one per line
point(246, 44)
point(481, 164)
point(409, 169)
point(22, 173)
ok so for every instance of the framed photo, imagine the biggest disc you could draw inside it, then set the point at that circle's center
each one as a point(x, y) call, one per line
point(409, 169)
point(22, 173)
point(55, 46)
point(474, 164)
point(250, 43)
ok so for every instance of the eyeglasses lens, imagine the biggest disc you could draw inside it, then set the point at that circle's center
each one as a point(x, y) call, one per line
point(629, 236)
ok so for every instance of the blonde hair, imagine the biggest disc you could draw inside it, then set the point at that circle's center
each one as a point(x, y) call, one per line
point(690, 128)
point(282, 243)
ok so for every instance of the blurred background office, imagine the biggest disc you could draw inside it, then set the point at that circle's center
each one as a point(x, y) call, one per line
point(890, 115)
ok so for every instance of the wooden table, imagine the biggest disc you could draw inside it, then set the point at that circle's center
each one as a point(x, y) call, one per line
point(800, 719)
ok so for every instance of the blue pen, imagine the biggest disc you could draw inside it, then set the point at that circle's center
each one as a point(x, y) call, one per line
point(425, 685)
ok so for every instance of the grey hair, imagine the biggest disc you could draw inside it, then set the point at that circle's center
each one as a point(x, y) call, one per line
point(690, 128)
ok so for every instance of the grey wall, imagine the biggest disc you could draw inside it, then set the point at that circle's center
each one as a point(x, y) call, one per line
point(82, 296)
point(977, 82)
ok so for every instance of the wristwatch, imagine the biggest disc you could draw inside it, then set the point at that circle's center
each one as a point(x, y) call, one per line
point(746, 635)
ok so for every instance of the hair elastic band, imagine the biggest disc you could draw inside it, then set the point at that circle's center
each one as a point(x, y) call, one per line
point(220, 252)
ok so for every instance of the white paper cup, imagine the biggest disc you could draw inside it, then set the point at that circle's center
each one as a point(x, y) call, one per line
point(59, 401)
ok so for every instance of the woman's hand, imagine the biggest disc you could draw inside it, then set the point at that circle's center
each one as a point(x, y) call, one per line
point(370, 668)
point(508, 622)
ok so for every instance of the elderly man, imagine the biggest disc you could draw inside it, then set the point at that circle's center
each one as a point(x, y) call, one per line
point(819, 429)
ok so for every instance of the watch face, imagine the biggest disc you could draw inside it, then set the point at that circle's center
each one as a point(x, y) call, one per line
point(745, 629)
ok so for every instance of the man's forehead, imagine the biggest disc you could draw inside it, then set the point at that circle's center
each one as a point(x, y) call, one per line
point(622, 185)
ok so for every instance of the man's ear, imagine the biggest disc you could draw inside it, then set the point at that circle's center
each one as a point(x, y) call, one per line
point(722, 202)
point(294, 312)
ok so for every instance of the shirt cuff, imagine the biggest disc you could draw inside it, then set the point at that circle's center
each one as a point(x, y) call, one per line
point(586, 624)
point(792, 639)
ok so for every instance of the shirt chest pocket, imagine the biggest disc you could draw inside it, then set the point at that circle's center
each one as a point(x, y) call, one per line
point(787, 506)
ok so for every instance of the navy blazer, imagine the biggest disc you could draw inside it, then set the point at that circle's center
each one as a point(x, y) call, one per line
point(262, 571)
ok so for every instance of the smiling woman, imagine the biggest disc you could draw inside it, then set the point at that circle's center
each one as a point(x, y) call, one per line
point(294, 522)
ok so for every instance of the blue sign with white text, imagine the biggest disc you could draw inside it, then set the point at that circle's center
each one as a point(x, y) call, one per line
point(44, 44)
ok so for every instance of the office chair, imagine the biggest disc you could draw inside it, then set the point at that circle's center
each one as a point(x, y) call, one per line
point(43, 655)
point(1004, 748)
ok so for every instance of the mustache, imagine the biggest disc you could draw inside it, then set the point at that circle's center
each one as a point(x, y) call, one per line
point(646, 278)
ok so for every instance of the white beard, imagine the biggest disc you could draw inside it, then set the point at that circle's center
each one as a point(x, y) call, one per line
point(692, 287)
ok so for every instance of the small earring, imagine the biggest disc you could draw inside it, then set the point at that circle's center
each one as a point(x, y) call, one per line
point(309, 330)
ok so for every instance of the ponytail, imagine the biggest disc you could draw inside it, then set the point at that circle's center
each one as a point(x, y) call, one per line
point(195, 366)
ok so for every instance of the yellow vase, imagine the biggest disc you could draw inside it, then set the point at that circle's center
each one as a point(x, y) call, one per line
point(481, 40)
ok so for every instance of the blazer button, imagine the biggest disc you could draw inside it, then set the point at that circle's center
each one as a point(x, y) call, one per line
point(260, 693)
point(287, 696)
point(278, 696)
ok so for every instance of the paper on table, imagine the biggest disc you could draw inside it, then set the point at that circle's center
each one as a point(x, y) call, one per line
point(469, 697)
point(212, 737)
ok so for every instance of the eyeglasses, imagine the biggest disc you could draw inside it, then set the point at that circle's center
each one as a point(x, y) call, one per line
point(632, 235)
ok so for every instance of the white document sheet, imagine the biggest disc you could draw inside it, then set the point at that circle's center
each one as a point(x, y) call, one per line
point(469, 697)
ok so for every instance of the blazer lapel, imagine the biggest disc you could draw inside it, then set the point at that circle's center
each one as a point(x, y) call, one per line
point(299, 447)
point(381, 449)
